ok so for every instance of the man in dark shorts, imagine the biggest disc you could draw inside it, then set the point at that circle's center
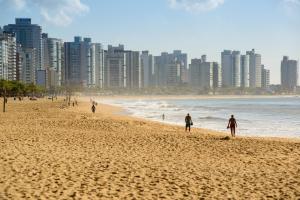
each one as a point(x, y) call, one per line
point(232, 125)
point(188, 122)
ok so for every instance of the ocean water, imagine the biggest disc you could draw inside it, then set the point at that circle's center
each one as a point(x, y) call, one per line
point(266, 117)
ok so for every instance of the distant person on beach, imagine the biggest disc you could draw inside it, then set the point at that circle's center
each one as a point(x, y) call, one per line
point(188, 122)
point(93, 108)
point(232, 125)
point(163, 117)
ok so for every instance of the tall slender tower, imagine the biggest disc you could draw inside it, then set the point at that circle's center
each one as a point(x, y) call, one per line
point(245, 71)
point(254, 69)
point(289, 73)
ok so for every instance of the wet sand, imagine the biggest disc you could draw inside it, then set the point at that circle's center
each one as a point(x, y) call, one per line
point(52, 152)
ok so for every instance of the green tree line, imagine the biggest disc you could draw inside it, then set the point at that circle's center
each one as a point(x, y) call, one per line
point(18, 90)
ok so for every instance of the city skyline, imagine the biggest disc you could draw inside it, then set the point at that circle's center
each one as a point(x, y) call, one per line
point(173, 26)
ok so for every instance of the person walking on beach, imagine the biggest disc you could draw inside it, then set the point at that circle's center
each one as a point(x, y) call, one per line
point(93, 108)
point(188, 122)
point(163, 117)
point(232, 125)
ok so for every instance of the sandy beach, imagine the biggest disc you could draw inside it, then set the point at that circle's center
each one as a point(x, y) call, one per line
point(49, 151)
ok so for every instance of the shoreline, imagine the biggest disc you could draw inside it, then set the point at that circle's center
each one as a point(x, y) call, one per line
point(179, 97)
point(123, 112)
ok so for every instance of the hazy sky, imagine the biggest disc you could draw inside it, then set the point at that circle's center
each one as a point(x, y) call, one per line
point(197, 27)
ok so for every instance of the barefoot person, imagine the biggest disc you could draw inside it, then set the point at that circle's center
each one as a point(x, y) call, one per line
point(232, 125)
point(188, 122)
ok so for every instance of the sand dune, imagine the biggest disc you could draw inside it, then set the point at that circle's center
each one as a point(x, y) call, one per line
point(52, 153)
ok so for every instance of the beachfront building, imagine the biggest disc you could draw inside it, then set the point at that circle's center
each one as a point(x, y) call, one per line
point(174, 73)
point(161, 63)
point(236, 66)
point(147, 69)
point(244, 71)
point(171, 68)
point(133, 75)
point(226, 62)
point(72, 52)
point(254, 69)
point(53, 60)
point(230, 68)
point(182, 59)
point(28, 70)
point(29, 36)
point(217, 75)
point(205, 75)
point(122, 68)
point(83, 61)
point(18, 62)
point(8, 56)
point(289, 73)
point(194, 69)
point(99, 64)
point(73, 67)
point(115, 71)
point(88, 63)
point(265, 77)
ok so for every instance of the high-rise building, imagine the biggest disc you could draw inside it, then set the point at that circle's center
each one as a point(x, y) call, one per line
point(115, 67)
point(133, 70)
point(254, 69)
point(8, 65)
point(194, 69)
point(236, 66)
point(29, 36)
point(182, 58)
point(99, 62)
point(289, 73)
point(83, 63)
point(53, 60)
point(226, 62)
point(28, 72)
point(265, 79)
point(147, 69)
point(19, 62)
point(245, 71)
point(161, 63)
point(217, 75)
point(174, 73)
point(72, 52)
point(205, 75)
point(171, 68)
point(230, 68)
point(88, 62)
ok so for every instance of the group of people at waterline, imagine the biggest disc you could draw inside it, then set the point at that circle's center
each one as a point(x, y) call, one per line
point(232, 124)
